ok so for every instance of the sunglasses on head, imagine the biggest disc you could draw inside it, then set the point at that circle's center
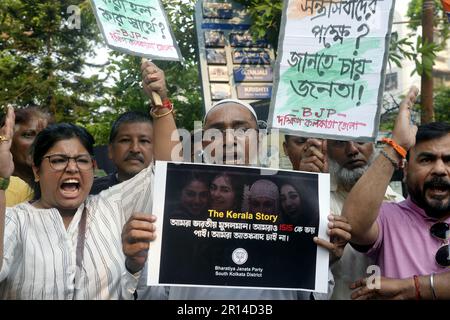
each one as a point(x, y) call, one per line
point(440, 230)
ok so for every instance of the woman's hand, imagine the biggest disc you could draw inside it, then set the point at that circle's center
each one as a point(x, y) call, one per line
point(136, 236)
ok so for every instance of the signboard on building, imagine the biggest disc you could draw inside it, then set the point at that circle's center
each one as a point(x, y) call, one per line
point(232, 63)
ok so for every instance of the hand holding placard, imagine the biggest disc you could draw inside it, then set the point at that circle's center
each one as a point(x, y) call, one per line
point(153, 82)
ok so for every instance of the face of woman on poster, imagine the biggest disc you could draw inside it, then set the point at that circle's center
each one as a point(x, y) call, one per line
point(194, 197)
point(290, 200)
point(222, 194)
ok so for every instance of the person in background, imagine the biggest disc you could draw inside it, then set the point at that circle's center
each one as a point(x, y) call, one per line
point(346, 161)
point(130, 149)
point(29, 122)
point(296, 147)
point(413, 266)
point(235, 130)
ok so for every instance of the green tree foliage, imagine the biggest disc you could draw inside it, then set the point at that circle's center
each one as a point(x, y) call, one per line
point(42, 56)
point(266, 18)
point(442, 104)
point(423, 54)
point(43, 62)
point(182, 77)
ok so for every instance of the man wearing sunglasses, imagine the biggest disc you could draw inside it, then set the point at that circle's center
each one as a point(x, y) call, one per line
point(408, 240)
point(346, 161)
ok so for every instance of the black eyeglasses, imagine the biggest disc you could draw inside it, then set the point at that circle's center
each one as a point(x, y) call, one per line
point(59, 162)
point(440, 230)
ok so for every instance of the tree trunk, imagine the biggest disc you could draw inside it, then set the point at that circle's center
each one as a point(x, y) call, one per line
point(427, 81)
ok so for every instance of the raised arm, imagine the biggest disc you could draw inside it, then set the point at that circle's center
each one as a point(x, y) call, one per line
point(364, 201)
point(153, 81)
point(6, 169)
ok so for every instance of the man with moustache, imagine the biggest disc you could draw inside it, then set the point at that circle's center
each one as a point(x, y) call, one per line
point(130, 148)
point(408, 240)
point(230, 136)
point(346, 161)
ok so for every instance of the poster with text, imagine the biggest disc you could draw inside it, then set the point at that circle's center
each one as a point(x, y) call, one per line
point(239, 227)
point(330, 70)
point(137, 27)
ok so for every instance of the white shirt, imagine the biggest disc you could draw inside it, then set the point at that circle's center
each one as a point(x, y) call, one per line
point(39, 260)
point(352, 265)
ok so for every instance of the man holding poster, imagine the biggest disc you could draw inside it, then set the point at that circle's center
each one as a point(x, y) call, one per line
point(229, 117)
point(330, 69)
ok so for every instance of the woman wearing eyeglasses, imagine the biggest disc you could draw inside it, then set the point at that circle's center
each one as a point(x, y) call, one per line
point(67, 244)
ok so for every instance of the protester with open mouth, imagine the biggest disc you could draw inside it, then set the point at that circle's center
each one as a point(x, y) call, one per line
point(408, 240)
point(69, 245)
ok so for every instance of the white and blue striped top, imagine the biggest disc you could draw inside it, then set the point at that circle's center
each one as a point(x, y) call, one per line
point(39, 259)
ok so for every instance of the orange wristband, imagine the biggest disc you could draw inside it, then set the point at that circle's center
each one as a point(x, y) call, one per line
point(399, 149)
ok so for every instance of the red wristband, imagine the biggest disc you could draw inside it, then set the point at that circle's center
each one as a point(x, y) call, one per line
point(417, 285)
point(166, 103)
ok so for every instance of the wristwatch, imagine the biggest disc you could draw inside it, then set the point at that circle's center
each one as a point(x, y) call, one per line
point(4, 183)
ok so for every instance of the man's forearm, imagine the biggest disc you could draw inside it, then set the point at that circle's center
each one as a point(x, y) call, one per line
point(364, 201)
point(441, 283)
point(163, 129)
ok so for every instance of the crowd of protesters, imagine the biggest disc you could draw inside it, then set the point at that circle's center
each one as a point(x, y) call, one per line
point(66, 235)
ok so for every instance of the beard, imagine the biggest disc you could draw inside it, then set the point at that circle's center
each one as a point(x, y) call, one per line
point(435, 208)
point(347, 178)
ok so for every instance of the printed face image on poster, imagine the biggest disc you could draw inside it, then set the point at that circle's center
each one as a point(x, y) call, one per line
point(214, 39)
point(216, 56)
point(330, 68)
point(238, 227)
point(218, 73)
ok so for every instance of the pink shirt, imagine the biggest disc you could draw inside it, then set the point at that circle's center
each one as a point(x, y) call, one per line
point(405, 246)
